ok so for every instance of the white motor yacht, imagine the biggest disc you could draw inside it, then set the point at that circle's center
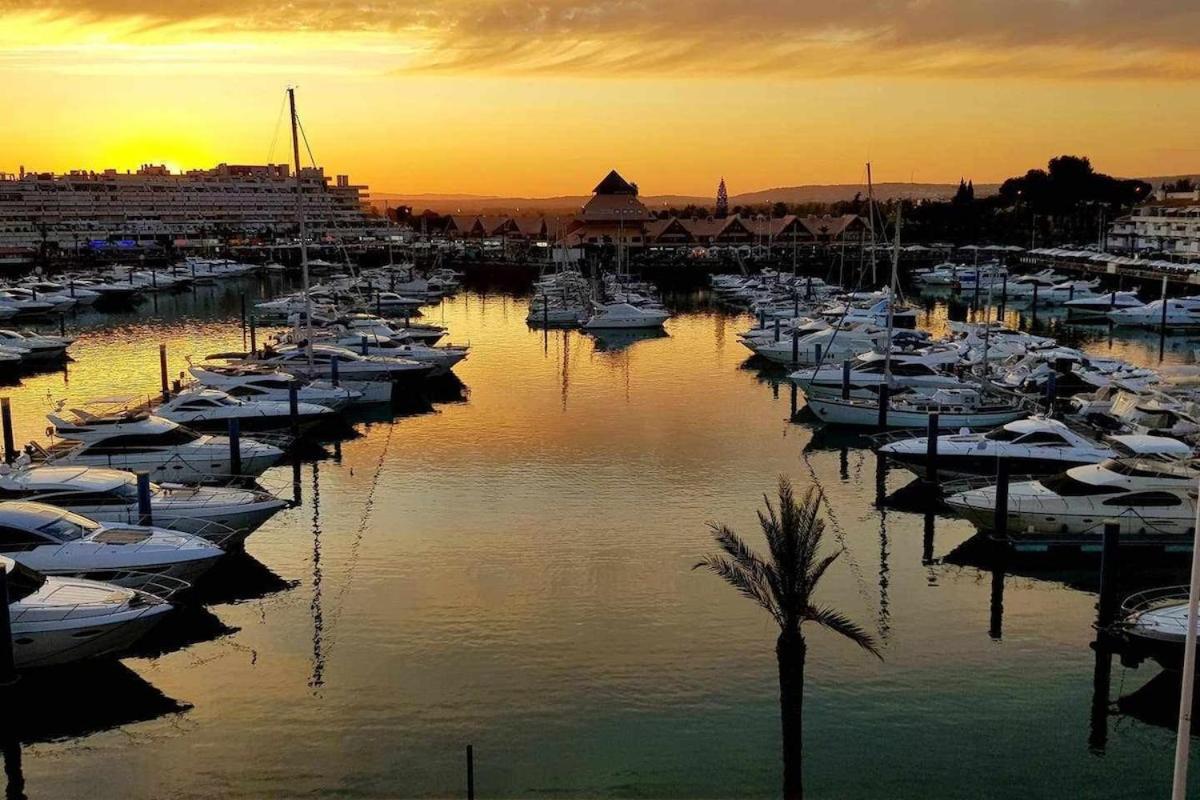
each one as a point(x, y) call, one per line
point(35, 347)
point(65, 620)
point(212, 409)
point(55, 541)
point(226, 515)
point(624, 315)
point(247, 382)
point(866, 373)
point(1098, 306)
point(1150, 498)
point(139, 442)
point(1033, 446)
point(442, 358)
point(353, 366)
point(1181, 313)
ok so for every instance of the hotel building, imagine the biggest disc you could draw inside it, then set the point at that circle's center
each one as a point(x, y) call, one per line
point(154, 205)
point(1169, 222)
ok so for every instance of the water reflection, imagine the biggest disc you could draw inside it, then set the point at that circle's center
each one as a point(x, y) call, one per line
point(612, 341)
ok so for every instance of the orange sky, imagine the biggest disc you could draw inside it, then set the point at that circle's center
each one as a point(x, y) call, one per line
point(497, 97)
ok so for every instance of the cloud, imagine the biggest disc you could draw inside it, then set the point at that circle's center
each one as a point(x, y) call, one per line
point(1093, 39)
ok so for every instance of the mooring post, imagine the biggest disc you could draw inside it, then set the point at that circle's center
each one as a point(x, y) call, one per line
point(162, 372)
point(8, 664)
point(333, 371)
point(777, 329)
point(294, 407)
point(1003, 297)
point(72, 287)
point(1051, 391)
point(845, 379)
point(545, 312)
point(796, 346)
point(816, 357)
point(378, 304)
point(1109, 570)
point(931, 448)
point(10, 452)
point(470, 772)
point(1033, 323)
point(253, 336)
point(793, 398)
point(363, 344)
point(145, 515)
point(235, 447)
point(1070, 291)
point(795, 304)
point(808, 289)
point(762, 320)
point(1000, 517)
point(884, 398)
point(243, 314)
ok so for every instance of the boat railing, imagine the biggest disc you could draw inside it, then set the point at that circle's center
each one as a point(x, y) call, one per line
point(1149, 599)
point(974, 482)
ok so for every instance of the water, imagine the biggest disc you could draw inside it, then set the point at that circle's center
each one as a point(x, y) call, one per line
point(514, 570)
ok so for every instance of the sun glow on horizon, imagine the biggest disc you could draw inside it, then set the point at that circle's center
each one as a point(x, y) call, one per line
point(465, 98)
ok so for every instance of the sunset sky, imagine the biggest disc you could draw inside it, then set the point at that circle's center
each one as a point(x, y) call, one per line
point(541, 97)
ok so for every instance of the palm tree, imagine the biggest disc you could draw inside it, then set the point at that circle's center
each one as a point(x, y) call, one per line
point(784, 586)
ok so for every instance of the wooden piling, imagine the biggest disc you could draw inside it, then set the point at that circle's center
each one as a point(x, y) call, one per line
point(235, 447)
point(777, 329)
point(253, 336)
point(294, 407)
point(931, 449)
point(1109, 570)
point(1033, 322)
point(845, 379)
point(1000, 516)
point(333, 371)
point(884, 399)
point(470, 772)
point(795, 346)
point(145, 514)
point(363, 345)
point(243, 317)
point(10, 451)
point(162, 372)
point(1003, 298)
point(8, 664)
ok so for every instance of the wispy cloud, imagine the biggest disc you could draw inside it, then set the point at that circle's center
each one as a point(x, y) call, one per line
point(1092, 39)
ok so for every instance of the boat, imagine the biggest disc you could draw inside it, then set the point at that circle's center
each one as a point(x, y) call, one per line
point(35, 347)
point(225, 515)
point(1098, 306)
point(1182, 313)
point(1151, 499)
point(212, 409)
point(1153, 624)
point(140, 442)
point(607, 316)
point(59, 621)
point(956, 408)
point(443, 358)
point(298, 360)
point(866, 373)
point(55, 541)
point(267, 383)
point(1034, 446)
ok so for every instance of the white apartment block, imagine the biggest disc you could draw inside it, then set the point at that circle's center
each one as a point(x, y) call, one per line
point(1168, 222)
point(156, 205)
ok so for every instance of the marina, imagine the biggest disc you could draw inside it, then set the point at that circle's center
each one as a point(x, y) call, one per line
point(446, 568)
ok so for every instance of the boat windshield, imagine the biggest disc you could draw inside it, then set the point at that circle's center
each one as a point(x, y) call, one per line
point(1064, 485)
point(69, 527)
point(22, 582)
point(1001, 435)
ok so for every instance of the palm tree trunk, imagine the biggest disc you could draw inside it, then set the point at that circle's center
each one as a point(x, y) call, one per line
point(790, 652)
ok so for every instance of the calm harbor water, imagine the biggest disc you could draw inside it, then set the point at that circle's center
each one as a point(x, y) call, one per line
point(510, 566)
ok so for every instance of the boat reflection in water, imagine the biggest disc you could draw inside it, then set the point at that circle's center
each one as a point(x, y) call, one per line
point(617, 339)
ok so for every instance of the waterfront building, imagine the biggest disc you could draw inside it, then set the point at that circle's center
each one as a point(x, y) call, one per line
point(155, 205)
point(614, 215)
point(1169, 222)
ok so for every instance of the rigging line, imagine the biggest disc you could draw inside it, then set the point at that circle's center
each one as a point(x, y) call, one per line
point(307, 147)
point(278, 126)
point(355, 545)
point(839, 533)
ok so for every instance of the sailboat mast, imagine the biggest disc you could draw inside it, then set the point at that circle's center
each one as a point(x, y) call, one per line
point(303, 228)
point(1183, 736)
point(871, 221)
point(891, 317)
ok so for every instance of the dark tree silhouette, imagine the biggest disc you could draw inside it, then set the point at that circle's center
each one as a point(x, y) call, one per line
point(783, 584)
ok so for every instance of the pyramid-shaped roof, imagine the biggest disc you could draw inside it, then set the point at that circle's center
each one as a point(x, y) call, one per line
point(613, 183)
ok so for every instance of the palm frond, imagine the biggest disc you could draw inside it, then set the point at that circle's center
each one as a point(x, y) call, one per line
point(814, 574)
point(743, 581)
point(840, 623)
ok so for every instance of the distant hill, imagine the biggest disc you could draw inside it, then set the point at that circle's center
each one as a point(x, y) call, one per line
point(808, 193)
